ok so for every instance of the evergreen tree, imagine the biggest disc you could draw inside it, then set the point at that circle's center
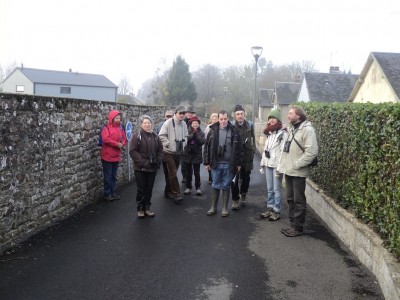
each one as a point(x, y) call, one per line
point(180, 87)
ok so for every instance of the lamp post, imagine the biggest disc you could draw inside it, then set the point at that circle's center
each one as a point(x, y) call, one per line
point(225, 91)
point(256, 51)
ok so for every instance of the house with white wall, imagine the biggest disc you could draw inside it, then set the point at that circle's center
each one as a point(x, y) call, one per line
point(60, 84)
point(379, 80)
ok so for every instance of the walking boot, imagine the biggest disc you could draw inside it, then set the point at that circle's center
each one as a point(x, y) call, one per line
point(242, 200)
point(214, 202)
point(225, 199)
point(235, 205)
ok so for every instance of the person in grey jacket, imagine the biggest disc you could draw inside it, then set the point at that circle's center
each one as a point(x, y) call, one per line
point(299, 151)
point(173, 135)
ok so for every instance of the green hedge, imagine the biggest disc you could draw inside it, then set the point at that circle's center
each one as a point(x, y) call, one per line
point(359, 162)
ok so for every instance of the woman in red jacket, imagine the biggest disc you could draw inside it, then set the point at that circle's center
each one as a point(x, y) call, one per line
point(114, 141)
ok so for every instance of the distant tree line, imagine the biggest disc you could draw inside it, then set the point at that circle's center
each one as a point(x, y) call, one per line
point(215, 87)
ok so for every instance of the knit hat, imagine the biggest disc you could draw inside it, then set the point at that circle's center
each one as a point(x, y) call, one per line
point(180, 108)
point(275, 113)
point(238, 107)
point(144, 117)
point(194, 119)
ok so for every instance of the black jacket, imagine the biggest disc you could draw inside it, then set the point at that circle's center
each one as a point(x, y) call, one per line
point(212, 143)
point(192, 152)
point(142, 147)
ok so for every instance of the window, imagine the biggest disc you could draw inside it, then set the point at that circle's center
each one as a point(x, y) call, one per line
point(20, 88)
point(65, 90)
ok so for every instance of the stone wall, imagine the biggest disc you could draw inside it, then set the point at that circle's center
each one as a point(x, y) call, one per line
point(49, 159)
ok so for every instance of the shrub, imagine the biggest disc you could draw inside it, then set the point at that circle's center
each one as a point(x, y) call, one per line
point(359, 162)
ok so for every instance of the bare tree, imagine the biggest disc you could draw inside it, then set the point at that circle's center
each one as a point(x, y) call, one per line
point(6, 71)
point(124, 87)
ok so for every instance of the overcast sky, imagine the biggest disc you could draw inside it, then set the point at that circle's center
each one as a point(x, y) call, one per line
point(130, 38)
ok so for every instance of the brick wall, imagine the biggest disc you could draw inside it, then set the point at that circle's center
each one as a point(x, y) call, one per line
point(49, 159)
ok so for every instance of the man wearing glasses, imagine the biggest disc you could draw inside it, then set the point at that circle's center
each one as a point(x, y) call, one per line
point(173, 135)
point(168, 114)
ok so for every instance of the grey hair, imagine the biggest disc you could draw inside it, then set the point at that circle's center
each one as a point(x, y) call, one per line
point(144, 117)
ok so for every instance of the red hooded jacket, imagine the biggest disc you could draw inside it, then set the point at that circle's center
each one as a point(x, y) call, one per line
point(112, 135)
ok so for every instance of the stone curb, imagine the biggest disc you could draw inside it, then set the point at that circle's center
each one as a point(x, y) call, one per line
point(361, 240)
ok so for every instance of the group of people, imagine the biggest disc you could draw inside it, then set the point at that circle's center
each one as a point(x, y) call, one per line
point(226, 149)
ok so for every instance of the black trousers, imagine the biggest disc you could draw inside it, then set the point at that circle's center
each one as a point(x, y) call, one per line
point(192, 169)
point(144, 183)
point(242, 187)
point(296, 198)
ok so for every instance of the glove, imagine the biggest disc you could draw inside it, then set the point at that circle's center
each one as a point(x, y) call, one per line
point(262, 170)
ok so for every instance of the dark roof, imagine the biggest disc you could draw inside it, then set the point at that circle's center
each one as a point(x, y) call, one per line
point(390, 64)
point(329, 87)
point(266, 97)
point(286, 92)
point(67, 78)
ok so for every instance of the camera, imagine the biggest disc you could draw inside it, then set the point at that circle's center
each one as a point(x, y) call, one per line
point(267, 154)
point(179, 146)
point(152, 159)
point(286, 146)
point(221, 150)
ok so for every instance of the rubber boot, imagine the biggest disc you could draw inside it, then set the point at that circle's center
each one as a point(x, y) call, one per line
point(225, 199)
point(214, 202)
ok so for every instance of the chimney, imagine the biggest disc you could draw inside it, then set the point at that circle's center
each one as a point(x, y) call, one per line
point(70, 70)
point(334, 70)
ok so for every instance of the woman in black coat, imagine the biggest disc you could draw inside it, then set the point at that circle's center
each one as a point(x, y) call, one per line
point(146, 152)
point(192, 155)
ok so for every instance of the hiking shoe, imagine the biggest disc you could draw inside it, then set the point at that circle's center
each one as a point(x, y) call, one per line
point(140, 214)
point(108, 198)
point(292, 232)
point(198, 192)
point(149, 213)
point(267, 214)
point(115, 197)
point(178, 199)
point(235, 205)
point(274, 216)
point(187, 191)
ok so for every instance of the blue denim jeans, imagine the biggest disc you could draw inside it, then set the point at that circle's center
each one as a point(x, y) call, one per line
point(222, 177)
point(110, 170)
point(274, 188)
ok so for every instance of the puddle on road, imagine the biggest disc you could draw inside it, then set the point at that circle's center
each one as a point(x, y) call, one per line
point(217, 289)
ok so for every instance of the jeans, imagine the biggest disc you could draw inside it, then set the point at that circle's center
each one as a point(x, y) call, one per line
point(274, 188)
point(244, 185)
point(144, 183)
point(172, 163)
point(222, 177)
point(192, 169)
point(296, 198)
point(110, 170)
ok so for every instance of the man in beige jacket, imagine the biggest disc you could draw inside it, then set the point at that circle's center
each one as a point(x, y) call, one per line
point(299, 151)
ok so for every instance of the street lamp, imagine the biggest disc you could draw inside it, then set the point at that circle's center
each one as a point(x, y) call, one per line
point(225, 91)
point(256, 51)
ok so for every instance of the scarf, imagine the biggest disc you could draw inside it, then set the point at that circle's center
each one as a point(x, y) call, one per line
point(272, 128)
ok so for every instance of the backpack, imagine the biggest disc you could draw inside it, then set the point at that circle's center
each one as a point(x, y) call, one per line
point(100, 141)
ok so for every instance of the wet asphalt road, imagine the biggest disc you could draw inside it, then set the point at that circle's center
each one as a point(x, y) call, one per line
point(105, 252)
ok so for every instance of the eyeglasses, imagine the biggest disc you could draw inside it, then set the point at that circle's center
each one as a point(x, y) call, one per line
point(168, 116)
point(182, 112)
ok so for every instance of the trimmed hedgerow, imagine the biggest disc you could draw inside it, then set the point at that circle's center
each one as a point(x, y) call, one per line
point(359, 162)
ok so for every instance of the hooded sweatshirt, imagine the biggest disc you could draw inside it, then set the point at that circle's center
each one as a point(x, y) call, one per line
point(112, 135)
